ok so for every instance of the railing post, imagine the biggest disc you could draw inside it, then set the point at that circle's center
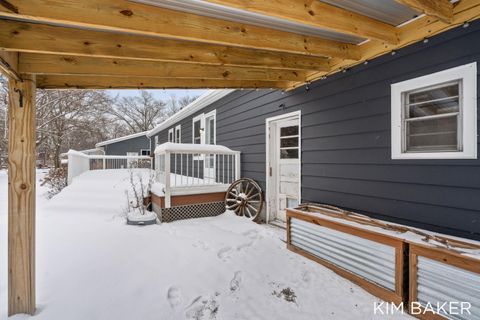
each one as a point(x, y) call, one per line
point(167, 180)
point(238, 171)
point(104, 167)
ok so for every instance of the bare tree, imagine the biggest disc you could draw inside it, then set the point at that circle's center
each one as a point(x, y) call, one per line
point(174, 104)
point(78, 119)
point(140, 113)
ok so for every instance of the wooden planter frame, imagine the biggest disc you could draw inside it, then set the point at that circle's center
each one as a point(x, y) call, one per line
point(438, 254)
point(397, 296)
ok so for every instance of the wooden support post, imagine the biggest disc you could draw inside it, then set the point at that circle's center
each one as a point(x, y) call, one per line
point(21, 196)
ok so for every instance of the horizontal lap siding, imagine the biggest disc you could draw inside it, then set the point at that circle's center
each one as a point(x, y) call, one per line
point(130, 145)
point(346, 151)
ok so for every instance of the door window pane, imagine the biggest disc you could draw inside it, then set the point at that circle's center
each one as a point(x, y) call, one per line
point(289, 154)
point(289, 142)
point(289, 131)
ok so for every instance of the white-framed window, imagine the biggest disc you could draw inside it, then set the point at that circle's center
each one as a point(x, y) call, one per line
point(204, 128)
point(435, 116)
point(145, 152)
point(171, 135)
point(178, 134)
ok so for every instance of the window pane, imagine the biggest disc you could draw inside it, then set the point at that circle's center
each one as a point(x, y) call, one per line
point(289, 131)
point(433, 134)
point(210, 130)
point(288, 142)
point(289, 154)
point(433, 94)
point(196, 132)
point(434, 108)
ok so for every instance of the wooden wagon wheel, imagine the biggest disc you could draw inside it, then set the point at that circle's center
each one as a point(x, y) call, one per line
point(245, 198)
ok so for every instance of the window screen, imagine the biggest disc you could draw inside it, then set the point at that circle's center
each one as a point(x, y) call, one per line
point(432, 119)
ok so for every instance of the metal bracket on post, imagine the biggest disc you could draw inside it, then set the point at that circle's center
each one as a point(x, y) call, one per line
point(20, 96)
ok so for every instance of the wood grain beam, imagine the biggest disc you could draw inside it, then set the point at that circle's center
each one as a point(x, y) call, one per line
point(441, 9)
point(320, 15)
point(60, 64)
point(9, 64)
point(126, 16)
point(107, 82)
point(21, 196)
point(418, 30)
point(38, 38)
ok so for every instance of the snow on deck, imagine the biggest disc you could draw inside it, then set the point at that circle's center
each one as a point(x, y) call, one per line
point(92, 265)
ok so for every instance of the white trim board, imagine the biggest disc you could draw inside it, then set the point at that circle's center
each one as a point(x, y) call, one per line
point(467, 74)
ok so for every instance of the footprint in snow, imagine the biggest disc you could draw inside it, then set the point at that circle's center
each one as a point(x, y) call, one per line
point(224, 252)
point(244, 245)
point(235, 282)
point(252, 234)
point(201, 244)
point(202, 308)
point(174, 296)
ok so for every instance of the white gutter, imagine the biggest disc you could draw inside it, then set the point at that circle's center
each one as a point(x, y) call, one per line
point(201, 102)
point(107, 142)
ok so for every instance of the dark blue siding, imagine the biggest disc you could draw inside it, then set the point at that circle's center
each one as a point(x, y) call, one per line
point(130, 145)
point(346, 157)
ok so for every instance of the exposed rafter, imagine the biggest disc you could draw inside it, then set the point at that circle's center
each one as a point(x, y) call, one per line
point(108, 82)
point(318, 14)
point(126, 16)
point(441, 9)
point(58, 64)
point(30, 37)
point(465, 10)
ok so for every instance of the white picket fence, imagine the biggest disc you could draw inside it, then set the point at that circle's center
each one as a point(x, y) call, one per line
point(79, 163)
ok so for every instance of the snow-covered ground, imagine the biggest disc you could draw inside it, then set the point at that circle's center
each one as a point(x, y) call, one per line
point(92, 265)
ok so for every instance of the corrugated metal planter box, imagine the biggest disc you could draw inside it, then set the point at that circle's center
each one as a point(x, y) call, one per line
point(440, 275)
point(375, 261)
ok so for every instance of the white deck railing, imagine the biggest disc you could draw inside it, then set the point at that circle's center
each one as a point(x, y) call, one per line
point(194, 168)
point(79, 163)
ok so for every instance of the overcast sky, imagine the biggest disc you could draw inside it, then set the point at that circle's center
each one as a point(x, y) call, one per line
point(159, 94)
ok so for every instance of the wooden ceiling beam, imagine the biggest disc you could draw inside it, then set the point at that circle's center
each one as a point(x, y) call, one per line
point(38, 38)
point(126, 16)
point(418, 30)
point(320, 15)
point(59, 64)
point(108, 82)
point(441, 9)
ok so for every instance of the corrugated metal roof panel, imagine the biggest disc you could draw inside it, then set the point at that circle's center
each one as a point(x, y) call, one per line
point(232, 14)
point(388, 11)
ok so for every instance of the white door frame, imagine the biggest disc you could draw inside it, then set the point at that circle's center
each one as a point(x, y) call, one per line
point(268, 122)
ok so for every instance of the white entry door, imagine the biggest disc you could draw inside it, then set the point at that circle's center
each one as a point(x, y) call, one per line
point(284, 166)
